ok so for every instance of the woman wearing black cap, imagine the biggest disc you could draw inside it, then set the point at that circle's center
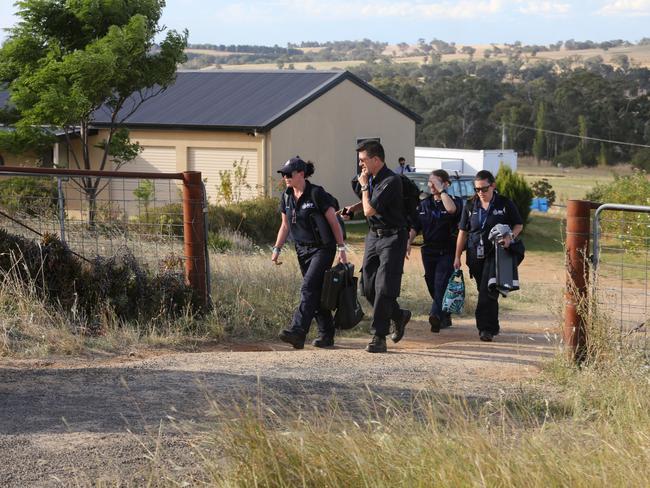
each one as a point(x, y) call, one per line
point(304, 206)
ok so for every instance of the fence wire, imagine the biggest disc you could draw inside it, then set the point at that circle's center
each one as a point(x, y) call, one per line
point(143, 215)
point(622, 271)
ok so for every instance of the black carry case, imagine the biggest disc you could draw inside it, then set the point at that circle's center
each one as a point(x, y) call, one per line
point(348, 312)
point(332, 285)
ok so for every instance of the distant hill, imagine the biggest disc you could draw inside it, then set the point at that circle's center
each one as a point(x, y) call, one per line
point(345, 54)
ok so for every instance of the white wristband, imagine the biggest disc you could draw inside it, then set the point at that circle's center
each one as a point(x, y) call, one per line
point(341, 247)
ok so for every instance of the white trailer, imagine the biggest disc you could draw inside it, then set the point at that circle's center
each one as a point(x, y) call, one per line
point(465, 161)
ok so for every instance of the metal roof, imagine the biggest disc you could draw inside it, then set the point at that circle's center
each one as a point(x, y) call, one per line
point(237, 100)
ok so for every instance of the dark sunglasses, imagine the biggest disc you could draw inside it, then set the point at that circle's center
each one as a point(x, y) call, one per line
point(483, 189)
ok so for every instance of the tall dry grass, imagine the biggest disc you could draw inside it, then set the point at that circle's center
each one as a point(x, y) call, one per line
point(593, 432)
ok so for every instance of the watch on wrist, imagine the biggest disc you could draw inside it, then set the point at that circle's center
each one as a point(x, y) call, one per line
point(340, 247)
point(364, 187)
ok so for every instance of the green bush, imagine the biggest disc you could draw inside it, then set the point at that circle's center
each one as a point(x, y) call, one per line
point(641, 159)
point(514, 186)
point(29, 195)
point(631, 228)
point(543, 189)
point(258, 219)
point(577, 157)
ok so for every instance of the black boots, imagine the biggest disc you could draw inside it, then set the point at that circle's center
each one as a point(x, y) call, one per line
point(377, 344)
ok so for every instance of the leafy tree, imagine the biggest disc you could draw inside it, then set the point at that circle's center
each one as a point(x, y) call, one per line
point(514, 186)
point(543, 189)
point(66, 59)
point(538, 145)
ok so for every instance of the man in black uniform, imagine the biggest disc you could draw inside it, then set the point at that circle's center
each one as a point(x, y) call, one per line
point(479, 215)
point(385, 246)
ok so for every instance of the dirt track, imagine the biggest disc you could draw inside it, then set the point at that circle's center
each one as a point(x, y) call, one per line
point(72, 422)
point(65, 422)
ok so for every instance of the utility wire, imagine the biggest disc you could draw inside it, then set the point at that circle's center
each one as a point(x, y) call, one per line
point(565, 134)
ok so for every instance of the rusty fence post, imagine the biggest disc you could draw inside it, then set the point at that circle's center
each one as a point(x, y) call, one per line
point(194, 234)
point(577, 273)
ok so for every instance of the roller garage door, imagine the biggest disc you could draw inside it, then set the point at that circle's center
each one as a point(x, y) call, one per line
point(152, 159)
point(209, 161)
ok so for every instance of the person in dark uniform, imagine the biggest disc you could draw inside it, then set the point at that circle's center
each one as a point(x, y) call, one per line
point(481, 213)
point(385, 245)
point(301, 204)
point(438, 222)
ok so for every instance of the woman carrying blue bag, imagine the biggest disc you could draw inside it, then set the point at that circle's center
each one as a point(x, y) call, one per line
point(437, 220)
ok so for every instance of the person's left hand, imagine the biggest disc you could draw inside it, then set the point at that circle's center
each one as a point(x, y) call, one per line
point(408, 249)
point(506, 241)
point(343, 257)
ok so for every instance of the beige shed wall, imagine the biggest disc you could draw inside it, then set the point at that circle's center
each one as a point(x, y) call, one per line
point(326, 131)
point(184, 142)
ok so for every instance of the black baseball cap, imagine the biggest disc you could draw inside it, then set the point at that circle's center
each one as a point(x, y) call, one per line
point(294, 164)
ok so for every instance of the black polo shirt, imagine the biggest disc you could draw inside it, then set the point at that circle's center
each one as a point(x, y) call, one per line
point(386, 199)
point(479, 222)
point(437, 225)
point(298, 213)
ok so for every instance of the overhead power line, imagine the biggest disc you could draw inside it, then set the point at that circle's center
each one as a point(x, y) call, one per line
point(566, 134)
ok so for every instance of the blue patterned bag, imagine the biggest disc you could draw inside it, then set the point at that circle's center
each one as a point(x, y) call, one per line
point(454, 298)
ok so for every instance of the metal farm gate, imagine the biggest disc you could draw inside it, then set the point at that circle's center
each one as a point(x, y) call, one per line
point(613, 279)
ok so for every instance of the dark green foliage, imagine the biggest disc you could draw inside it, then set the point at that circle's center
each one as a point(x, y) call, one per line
point(28, 195)
point(218, 243)
point(257, 219)
point(514, 186)
point(543, 189)
point(633, 229)
point(85, 290)
point(577, 157)
point(641, 159)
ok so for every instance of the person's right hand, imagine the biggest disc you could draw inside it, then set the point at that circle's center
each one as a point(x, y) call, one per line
point(344, 213)
point(457, 264)
point(275, 256)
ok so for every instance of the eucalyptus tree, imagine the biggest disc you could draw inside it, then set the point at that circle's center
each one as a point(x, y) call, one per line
point(65, 60)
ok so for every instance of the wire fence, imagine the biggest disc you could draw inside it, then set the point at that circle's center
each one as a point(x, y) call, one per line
point(105, 213)
point(621, 262)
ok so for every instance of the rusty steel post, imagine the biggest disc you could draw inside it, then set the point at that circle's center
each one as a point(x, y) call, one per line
point(194, 234)
point(577, 252)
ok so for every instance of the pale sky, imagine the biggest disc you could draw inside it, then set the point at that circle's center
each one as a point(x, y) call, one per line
point(270, 22)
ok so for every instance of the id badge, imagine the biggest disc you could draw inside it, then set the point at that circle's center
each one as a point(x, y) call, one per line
point(480, 250)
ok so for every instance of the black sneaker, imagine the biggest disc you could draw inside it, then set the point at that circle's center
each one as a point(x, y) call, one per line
point(400, 325)
point(485, 336)
point(296, 339)
point(435, 324)
point(377, 344)
point(445, 322)
point(324, 340)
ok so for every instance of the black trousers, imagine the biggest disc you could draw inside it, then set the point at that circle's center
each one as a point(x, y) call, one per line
point(487, 307)
point(313, 261)
point(381, 276)
point(438, 266)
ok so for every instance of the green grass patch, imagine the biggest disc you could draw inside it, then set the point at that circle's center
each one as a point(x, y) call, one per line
point(544, 233)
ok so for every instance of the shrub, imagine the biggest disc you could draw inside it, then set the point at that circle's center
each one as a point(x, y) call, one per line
point(514, 186)
point(86, 289)
point(634, 189)
point(543, 189)
point(257, 219)
point(641, 159)
point(32, 196)
point(577, 157)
